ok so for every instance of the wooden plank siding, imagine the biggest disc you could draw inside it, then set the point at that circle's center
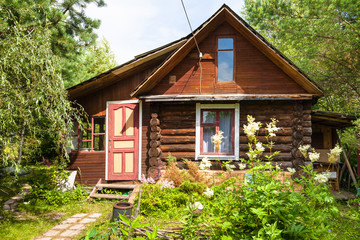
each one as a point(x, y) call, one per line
point(90, 166)
point(177, 123)
point(254, 72)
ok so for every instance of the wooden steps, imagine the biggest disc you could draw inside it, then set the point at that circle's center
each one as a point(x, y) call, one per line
point(110, 196)
point(100, 186)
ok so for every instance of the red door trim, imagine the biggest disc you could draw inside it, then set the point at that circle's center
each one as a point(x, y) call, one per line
point(111, 139)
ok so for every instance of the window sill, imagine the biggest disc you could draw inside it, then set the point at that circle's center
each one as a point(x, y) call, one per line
point(217, 157)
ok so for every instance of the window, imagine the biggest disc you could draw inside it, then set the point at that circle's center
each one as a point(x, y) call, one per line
point(91, 137)
point(213, 121)
point(212, 118)
point(225, 59)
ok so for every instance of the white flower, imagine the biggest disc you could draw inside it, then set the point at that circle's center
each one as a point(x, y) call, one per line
point(334, 154)
point(217, 140)
point(205, 164)
point(321, 178)
point(277, 166)
point(148, 180)
point(209, 193)
point(304, 149)
point(229, 167)
point(242, 166)
point(251, 154)
point(166, 184)
point(291, 170)
point(251, 128)
point(314, 156)
point(197, 205)
point(272, 128)
point(259, 147)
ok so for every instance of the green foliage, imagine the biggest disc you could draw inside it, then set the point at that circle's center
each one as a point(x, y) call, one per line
point(265, 208)
point(123, 229)
point(71, 32)
point(157, 201)
point(91, 62)
point(322, 38)
point(34, 108)
point(46, 189)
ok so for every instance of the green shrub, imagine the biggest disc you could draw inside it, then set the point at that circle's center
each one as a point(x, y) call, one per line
point(156, 200)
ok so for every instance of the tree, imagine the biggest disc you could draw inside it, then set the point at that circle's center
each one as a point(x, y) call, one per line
point(93, 61)
point(34, 109)
point(322, 38)
point(71, 32)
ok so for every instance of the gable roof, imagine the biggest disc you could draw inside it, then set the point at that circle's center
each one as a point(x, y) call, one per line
point(225, 14)
point(111, 76)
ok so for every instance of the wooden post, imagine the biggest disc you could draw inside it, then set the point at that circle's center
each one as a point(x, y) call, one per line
point(348, 165)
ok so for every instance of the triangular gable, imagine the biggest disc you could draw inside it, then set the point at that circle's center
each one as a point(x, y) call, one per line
point(225, 14)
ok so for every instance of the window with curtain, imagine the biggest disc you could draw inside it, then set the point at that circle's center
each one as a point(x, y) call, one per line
point(213, 121)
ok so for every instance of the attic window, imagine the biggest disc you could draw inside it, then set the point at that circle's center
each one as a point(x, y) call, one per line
point(225, 59)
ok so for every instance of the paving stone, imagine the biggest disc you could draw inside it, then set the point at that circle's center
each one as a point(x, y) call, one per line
point(43, 238)
point(62, 226)
point(94, 215)
point(70, 233)
point(88, 220)
point(51, 233)
point(71, 220)
point(6, 207)
point(79, 215)
point(77, 227)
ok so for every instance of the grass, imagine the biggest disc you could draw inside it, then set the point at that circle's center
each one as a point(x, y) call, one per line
point(30, 225)
point(347, 224)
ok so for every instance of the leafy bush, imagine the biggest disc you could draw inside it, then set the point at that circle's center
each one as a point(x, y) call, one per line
point(46, 188)
point(156, 200)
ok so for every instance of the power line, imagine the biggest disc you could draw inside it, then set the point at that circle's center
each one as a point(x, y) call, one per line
point(196, 43)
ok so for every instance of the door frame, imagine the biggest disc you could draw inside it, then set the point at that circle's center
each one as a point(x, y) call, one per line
point(107, 134)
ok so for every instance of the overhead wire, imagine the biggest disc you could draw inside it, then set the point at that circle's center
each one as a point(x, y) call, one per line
point(196, 43)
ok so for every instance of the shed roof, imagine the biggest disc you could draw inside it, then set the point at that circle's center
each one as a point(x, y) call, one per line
point(332, 119)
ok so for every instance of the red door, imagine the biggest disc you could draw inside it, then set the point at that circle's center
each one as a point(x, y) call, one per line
point(123, 141)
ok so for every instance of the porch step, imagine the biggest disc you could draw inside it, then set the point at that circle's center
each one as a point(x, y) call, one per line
point(109, 196)
point(100, 186)
point(116, 186)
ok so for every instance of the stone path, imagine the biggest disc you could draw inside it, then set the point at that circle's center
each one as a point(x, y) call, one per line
point(69, 228)
point(12, 203)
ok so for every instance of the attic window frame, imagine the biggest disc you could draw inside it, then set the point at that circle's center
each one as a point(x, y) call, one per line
point(233, 37)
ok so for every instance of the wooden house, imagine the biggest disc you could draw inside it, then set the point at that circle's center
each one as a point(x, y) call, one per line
point(171, 100)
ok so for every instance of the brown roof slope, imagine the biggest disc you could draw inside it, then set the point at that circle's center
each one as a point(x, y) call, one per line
point(110, 77)
point(226, 14)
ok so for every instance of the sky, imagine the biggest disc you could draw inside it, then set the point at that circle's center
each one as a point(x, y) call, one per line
point(137, 26)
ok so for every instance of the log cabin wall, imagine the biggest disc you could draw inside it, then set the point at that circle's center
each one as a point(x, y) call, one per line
point(177, 128)
point(254, 73)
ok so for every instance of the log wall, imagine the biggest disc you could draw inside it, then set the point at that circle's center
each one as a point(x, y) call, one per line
point(177, 128)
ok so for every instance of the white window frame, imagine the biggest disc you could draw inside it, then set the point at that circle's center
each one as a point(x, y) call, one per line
point(236, 107)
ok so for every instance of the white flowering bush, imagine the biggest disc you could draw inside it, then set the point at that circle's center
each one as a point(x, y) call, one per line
point(205, 164)
point(263, 206)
